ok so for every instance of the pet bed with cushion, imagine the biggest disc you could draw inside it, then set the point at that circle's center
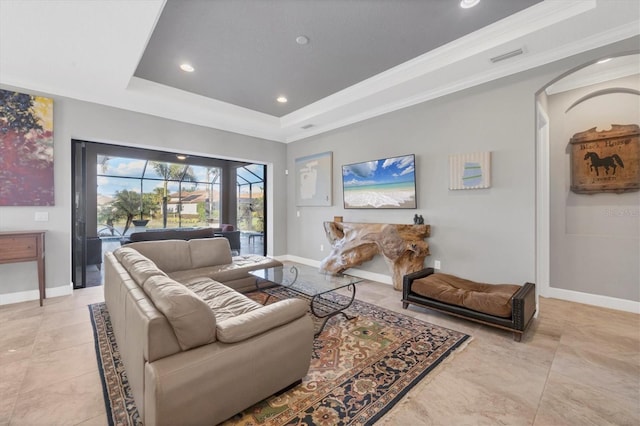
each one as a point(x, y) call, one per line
point(505, 306)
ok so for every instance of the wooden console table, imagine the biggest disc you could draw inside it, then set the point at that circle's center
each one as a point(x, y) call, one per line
point(25, 246)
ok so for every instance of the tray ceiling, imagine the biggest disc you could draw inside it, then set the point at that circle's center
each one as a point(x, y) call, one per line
point(364, 58)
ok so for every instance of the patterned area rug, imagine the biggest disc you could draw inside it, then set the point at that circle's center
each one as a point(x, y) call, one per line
point(359, 369)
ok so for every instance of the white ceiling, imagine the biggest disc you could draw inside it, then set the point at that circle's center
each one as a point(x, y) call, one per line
point(90, 50)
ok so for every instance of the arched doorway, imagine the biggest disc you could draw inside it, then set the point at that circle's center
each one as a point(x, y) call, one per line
point(577, 242)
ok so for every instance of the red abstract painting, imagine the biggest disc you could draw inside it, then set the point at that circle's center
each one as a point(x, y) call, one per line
point(26, 150)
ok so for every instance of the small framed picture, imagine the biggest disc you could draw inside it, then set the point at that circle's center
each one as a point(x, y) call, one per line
point(313, 176)
point(470, 171)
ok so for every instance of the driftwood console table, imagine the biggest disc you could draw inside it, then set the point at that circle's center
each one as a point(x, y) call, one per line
point(24, 246)
point(402, 247)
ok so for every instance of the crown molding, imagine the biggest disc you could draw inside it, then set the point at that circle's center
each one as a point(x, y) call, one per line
point(453, 67)
point(500, 70)
point(592, 78)
point(515, 26)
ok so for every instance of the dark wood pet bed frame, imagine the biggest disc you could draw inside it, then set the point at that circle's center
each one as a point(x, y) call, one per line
point(522, 311)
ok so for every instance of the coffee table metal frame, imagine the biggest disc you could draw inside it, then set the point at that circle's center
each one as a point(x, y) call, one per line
point(313, 286)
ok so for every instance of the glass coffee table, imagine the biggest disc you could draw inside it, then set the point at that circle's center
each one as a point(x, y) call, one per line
point(311, 284)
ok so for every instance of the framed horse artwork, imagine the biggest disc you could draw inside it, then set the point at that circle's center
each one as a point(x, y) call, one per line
point(606, 161)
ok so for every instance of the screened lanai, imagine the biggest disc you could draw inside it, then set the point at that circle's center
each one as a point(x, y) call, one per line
point(160, 194)
point(120, 190)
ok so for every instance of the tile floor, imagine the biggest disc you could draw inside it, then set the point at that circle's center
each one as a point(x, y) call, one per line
point(577, 365)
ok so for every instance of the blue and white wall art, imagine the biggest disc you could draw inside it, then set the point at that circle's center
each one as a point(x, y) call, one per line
point(470, 171)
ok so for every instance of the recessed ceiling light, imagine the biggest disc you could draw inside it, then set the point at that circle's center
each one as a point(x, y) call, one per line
point(302, 39)
point(282, 99)
point(602, 61)
point(466, 4)
point(181, 157)
point(187, 67)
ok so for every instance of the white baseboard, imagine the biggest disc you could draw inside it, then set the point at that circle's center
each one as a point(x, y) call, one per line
point(556, 293)
point(25, 296)
point(372, 276)
point(592, 299)
point(303, 260)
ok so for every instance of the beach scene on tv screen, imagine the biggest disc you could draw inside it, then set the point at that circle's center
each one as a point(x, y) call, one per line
point(389, 183)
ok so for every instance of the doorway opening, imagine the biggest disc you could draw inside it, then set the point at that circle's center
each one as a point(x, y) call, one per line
point(573, 229)
point(120, 190)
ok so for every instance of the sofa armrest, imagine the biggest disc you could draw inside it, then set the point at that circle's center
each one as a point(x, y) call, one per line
point(257, 322)
point(209, 384)
point(408, 279)
point(523, 305)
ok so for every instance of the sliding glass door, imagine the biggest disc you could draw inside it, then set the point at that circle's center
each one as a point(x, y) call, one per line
point(78, 214)
point(120, 190)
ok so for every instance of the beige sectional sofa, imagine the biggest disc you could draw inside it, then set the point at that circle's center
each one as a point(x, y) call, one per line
point(205, 257)
point(196, 350)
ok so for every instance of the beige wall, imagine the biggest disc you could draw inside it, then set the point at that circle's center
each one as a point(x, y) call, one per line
point(486, 235)
point(86, 121)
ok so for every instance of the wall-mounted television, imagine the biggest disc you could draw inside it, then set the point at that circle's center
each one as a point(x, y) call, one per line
point(388, 183)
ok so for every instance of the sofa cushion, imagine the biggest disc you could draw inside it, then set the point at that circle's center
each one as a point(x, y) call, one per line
point(222, 300)
point(258, 321)
point(209, 252)
point(168, 255)
point(227, 272)
point(171, 234)
point(191, 319)
point(492, 299)
point(139, 267)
